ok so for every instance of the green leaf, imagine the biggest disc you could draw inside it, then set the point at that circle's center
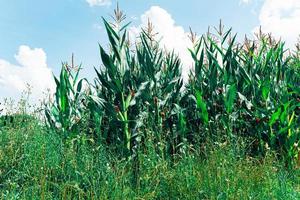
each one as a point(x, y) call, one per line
point(265, 90)
point(230, 98)
point(275, 116)
point(202, 106)
point(127, 102)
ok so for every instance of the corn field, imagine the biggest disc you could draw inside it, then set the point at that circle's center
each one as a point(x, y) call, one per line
point(249, 90)
point(150, 126)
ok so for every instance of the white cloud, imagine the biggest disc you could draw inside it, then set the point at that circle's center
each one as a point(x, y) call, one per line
point(173, 37)
point(99, 2)
point(282, 18)
point(31, 69)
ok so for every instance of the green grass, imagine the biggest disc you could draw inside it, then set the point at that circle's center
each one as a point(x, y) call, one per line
point(36, 164)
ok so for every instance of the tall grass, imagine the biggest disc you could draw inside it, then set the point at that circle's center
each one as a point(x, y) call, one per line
point(36, 163)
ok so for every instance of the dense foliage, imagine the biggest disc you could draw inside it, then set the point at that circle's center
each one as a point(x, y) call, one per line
point(36, 163)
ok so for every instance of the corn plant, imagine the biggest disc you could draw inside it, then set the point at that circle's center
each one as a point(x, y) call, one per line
point(65, 112)
point(140, 88)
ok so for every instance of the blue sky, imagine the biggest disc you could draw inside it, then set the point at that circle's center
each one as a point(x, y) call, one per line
point(53, 29)
point(61, 27)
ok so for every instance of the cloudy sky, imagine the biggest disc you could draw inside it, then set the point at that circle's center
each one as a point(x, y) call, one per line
point(36, 36)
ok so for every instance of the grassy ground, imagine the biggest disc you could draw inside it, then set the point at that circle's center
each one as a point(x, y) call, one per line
point(37, 164)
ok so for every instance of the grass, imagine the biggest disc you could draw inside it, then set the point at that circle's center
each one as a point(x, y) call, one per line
point(36, 164)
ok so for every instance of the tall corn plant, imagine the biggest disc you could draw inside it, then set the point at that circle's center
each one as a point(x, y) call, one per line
point(64, 113)
point(140, 88)
point(163, 94)
point(111, 84)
